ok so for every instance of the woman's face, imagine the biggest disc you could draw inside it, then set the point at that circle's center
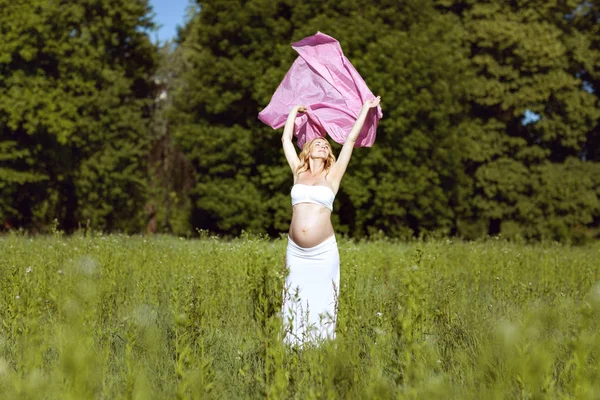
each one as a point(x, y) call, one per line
point(319, 149)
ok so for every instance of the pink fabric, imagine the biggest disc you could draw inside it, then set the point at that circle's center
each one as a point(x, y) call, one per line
point(323, 80)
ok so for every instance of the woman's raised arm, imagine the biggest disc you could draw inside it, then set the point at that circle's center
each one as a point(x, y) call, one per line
point(286, 139)
point(339, 168)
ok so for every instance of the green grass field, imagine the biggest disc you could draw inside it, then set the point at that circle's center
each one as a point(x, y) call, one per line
point(116, 317)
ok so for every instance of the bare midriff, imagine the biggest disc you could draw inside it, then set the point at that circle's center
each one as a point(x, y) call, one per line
point(311, 224)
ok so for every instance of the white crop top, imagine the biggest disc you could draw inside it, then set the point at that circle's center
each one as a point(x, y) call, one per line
point(317, 194)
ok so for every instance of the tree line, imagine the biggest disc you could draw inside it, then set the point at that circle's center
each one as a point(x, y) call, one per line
point(491, 117)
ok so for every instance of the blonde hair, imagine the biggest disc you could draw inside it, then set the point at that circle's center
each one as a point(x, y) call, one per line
point(304, 156)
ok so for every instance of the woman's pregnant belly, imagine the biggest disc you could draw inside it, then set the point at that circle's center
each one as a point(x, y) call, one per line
point(311, 224)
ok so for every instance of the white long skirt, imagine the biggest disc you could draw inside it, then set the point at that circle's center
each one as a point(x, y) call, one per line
point(310, 296)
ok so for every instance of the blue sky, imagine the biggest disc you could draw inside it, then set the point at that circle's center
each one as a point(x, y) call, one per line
point(169, 14)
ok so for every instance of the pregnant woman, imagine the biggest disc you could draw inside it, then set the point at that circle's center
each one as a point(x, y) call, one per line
point(312, 258)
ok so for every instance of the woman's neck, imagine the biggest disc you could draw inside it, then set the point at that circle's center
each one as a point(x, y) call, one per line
point(316, 167)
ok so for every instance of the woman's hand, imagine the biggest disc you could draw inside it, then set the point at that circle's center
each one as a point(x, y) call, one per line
point(301, 109)
point(372, 103)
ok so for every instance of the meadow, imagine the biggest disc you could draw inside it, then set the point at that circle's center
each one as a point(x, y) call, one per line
point(121, 317)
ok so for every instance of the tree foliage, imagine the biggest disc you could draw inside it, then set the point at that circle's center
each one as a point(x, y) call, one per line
point(531, 57)
point(491, 116)
point(75, 84)
point(239, 52)
point(454, 153)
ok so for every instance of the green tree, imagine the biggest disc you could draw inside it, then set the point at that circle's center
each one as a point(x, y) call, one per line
point(171, 174)
point(238, 52)
point(228, 47)
point(454, 153)
point(531, 57)
point(75, 95)
point(585, 44)
point(410, 182)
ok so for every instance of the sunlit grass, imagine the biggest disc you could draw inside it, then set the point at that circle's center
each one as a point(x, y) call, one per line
point(110, 317)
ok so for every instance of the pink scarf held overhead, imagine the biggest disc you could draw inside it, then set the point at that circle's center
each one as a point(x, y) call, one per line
point(323, 80)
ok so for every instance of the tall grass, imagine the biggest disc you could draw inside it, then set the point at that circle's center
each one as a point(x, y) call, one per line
point(116, 317)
